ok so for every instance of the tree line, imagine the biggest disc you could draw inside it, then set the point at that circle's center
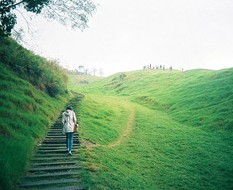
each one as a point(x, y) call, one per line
point(82, 70)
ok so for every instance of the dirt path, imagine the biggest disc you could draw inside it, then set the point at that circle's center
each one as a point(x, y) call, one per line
point(126, 132)
point(122, 138)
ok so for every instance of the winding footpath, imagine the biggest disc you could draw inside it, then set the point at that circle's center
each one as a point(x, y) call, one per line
point(122, 138)
point(52, 168)
point(126, 132)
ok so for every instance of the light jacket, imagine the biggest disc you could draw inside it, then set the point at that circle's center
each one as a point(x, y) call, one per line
point(68, 121)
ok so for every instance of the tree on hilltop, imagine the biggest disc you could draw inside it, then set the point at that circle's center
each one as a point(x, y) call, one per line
point(74, 13)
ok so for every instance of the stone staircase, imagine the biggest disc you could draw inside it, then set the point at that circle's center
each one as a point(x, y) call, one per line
point(52, 168)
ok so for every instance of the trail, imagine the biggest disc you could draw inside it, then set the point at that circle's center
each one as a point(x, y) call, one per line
point(122, 138)
point(51, 167)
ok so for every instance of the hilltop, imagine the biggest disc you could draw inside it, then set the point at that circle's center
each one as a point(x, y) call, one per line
point(158, 129)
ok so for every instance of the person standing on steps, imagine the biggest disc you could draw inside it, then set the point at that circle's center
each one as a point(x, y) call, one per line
point(68, 121)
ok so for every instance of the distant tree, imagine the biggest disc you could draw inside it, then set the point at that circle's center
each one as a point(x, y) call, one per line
point(86, 72)
point(94, 70)
point(81, 69)
point(76, 71)
point(74, 13)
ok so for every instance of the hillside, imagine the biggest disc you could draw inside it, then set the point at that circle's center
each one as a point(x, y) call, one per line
point(29, 105)
point(197, 97)
point(158, 130)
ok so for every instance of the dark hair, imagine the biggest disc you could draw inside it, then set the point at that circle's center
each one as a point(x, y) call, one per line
point(69, 108)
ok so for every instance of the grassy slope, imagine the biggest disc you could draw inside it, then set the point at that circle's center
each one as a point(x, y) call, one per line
point(25, 115)
point(198, 97)
point(45, 75)
point(181, 135)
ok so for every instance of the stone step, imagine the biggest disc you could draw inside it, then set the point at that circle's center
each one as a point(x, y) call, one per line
point(58, 141)
point(57, 174)
point(51, 151)
point(39, 159)
point(55, 135)
point(65, 188)
point(55, 147)
point(56, 128)
point(54, 155)
point(52, 147)
point(75, 148)
point(58, 137)
point(56, 151)
point(53, 163)
point(55, 132)
point(54, 168)
point(57, 123)
point(49, 182)
point(58, 134)
point(59, 144)
point(59, 126)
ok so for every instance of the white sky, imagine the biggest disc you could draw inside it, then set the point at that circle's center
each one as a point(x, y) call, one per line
point(124, 35)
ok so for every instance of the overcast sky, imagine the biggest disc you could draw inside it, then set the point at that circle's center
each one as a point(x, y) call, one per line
point(125, 35)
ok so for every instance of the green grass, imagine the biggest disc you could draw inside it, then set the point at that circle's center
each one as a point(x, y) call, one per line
point(206, 96)
point(45, 75)
point(33, 92)
point(25, 115)
point(106, 115)
point(158, 130)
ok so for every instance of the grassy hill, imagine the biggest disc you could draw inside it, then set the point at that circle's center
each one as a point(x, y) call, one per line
point(197, 97)
point(139, 130)
point(158, 130)
point(31, 98)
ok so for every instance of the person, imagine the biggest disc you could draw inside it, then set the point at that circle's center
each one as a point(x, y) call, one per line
point(68, 121)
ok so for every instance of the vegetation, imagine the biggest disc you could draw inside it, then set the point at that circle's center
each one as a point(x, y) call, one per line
point(44, 75)
point(26, 111)
point(153, 129)
point(201, 98)
point(158, 130)
point(72, 13)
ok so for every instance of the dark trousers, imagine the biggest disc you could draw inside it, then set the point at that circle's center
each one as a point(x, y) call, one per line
point(69, 140)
